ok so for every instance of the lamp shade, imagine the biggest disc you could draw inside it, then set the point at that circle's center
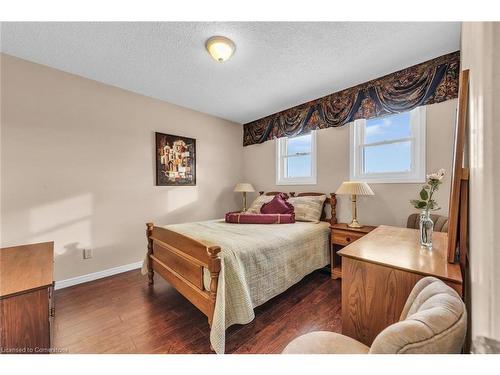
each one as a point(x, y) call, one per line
point(244, 187)
point(220, 48)
point(354, 188)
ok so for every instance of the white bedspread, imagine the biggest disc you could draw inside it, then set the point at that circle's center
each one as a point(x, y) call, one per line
point(259, 261)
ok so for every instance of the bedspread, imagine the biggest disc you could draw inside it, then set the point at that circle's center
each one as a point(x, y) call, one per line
point(259, 261)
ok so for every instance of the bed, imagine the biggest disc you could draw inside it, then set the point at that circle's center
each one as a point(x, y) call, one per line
point(226, 270)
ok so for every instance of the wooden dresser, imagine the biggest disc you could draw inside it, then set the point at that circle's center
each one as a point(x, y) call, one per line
point(379, 271)
point(26, 303)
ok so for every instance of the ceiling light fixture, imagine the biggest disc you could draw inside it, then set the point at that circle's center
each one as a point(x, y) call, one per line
point(220, 48)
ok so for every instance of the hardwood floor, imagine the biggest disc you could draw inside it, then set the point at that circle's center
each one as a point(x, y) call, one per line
point(122, 314)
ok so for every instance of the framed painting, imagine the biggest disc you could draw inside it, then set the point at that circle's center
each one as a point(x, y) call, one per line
point(175, 160)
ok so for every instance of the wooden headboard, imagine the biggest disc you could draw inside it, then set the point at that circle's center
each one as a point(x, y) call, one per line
point(332, 202)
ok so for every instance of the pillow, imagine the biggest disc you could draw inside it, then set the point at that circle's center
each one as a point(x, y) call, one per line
point(257, 204)
point(278, 205)
point(308, 208)
point(245, 218)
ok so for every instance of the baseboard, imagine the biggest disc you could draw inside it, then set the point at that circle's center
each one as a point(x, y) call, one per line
point(97, 275)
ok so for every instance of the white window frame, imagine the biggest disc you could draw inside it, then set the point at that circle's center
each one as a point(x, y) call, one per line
point(281, 179)
point(418, 152)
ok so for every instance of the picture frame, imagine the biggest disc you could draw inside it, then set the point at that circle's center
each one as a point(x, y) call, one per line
point(175, 160)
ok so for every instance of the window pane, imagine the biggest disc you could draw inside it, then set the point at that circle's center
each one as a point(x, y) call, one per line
point(393, 157)
point(298, 166)
point(388, 128)
point(299, 144)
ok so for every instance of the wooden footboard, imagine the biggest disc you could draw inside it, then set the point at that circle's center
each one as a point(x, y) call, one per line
point(180, 261)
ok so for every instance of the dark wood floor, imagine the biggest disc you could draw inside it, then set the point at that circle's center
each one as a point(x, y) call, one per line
point(121, 314)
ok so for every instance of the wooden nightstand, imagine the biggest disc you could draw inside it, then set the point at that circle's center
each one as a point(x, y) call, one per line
point(341, 235)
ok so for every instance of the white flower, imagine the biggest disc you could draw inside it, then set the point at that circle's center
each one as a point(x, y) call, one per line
point(436, 175)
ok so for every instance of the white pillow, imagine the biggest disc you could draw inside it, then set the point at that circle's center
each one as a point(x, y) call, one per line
point(258, 202)
point(308, 208)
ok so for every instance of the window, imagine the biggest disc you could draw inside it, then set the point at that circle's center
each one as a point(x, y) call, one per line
point(389, 149)
point(296, 160)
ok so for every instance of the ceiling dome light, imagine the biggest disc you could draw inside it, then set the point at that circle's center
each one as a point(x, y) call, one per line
point(220, 48)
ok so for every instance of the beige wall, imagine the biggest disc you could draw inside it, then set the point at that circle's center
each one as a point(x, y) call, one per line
point(481, 54)
point(390, 205)
point(78, 166)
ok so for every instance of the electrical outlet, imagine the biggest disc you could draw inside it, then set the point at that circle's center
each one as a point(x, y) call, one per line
point(87, 253)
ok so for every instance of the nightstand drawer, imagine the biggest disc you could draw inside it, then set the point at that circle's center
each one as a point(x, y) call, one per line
point(340, 237)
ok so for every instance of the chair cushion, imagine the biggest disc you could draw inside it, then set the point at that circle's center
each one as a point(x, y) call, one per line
point(435, 322)
point(321, 342)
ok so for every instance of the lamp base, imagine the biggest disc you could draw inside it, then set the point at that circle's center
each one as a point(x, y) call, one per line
point(354, 224)
point(244, 201)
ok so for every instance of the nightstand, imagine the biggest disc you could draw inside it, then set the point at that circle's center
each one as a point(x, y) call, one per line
point(342, 235)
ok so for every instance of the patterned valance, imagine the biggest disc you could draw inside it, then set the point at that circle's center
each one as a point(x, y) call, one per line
point(430, 82)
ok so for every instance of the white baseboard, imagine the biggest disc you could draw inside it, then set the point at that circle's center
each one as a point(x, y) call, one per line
point(97, 275)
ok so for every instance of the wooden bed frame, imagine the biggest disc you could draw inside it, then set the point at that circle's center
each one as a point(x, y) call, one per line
point(180, 259)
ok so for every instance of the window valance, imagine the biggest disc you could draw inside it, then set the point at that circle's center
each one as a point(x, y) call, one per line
point(430, 82)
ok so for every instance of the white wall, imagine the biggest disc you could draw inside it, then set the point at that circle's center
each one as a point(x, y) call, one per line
point(78, 167)
point(390, 205)
point(481, 54)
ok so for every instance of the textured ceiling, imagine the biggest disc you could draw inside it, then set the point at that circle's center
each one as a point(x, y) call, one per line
point(275, 66)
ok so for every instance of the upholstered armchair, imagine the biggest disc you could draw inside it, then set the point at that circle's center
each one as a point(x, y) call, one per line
point(433, 321)
point(440, 222)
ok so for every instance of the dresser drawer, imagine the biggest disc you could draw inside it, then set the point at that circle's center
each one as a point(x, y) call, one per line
point(341, 237)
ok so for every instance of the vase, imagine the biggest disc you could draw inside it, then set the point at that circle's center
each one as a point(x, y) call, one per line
point(426, 228)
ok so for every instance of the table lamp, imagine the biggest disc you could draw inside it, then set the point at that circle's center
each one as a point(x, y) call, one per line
point(354, 189)
point(244, 187)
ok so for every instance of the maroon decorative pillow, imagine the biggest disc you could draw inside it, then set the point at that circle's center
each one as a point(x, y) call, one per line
point(242, 218)
point(278, 205)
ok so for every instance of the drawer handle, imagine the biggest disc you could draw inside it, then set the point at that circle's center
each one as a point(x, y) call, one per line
point(348, 239)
